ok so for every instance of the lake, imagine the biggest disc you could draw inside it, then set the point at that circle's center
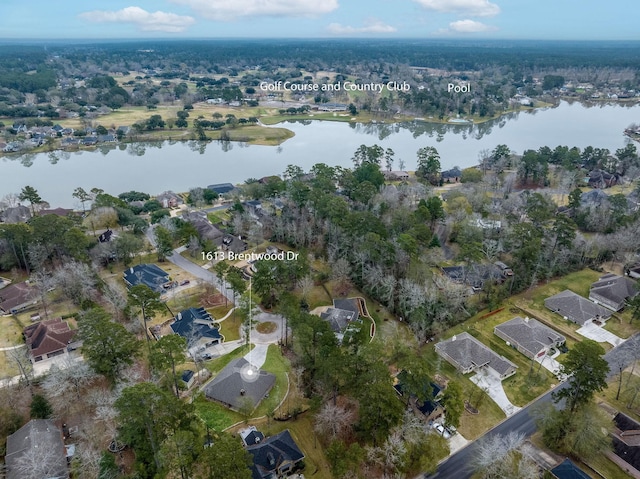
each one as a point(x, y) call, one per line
point(178, 166)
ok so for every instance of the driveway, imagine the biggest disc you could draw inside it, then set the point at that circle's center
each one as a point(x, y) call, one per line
point(258, 355)
point(599, 334)
point(490, 381)
point(550, 363)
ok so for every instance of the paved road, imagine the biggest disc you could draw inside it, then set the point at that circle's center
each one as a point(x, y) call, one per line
point(194, 269)
point(457, 466)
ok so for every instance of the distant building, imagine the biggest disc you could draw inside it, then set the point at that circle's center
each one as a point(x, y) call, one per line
point(169, 199)
point(395, 175)
point(221, 188)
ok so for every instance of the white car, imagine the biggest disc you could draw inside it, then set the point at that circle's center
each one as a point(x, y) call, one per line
point(441, 430)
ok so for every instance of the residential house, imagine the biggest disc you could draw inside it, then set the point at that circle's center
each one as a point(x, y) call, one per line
point(221, 188)
point(276, 456)
point(575, 308)
point(626, 443)
point(108, 138)
point(467, 354)
point(148, 274)
point(234, 243)
point(430, 408)
point(206, 230)
point(602, 179)
point(169, 199)
point(332, 107)
point(38, 445)
point(254, 208)
point(250, 436)
point(395, 175)
point(453, 174)
point(15, 214)
point(197, 326)
point(593, 198)
point(530, 337)
point(64, 212)
point(16, 297)
point(613, 291)
point(239, 384)
point(475, 275)
point(47, 339)
point(341, 321)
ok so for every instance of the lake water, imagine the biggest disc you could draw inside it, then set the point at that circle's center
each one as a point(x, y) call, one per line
point(178, 166)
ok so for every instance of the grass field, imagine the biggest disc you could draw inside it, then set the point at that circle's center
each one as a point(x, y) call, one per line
point(630, 386)
point(471, 425)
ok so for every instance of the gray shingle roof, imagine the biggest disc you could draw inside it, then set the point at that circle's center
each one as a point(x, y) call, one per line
point(576, 308)
point(612, 291)
point(467, 352)
point(228, 385)
point(529, 334)
point(37, 434)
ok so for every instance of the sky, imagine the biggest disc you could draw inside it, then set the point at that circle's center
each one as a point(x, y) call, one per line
point(507, 19)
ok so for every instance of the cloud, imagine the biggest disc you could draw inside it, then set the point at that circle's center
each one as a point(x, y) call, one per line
point(470, 26)
point(146, 21)
point(475, 8)
point(370, 26)
point(236, 9)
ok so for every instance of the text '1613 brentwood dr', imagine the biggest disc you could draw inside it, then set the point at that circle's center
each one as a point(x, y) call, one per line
point(231, 256)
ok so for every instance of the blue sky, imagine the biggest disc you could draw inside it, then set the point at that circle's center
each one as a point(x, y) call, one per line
point(509, 19)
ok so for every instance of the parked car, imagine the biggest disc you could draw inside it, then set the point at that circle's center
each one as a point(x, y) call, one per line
point(441, 430)
point(185, 282)
point(206, 356)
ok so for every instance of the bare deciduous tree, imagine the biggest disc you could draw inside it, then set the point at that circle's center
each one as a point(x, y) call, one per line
point(333, 421)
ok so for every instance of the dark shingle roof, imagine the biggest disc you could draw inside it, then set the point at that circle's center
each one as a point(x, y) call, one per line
point(338, 319)
point(612, 291)
point(228, 385)
point(148, 274)
point(575, 307)
point(194, 324)
point(347, 304)
point(271, 453)
point(221, 188)
point(531, 335)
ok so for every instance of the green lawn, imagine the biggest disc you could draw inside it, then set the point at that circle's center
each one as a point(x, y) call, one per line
point(630, 384)
point(471, 425)
point(276, 364)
